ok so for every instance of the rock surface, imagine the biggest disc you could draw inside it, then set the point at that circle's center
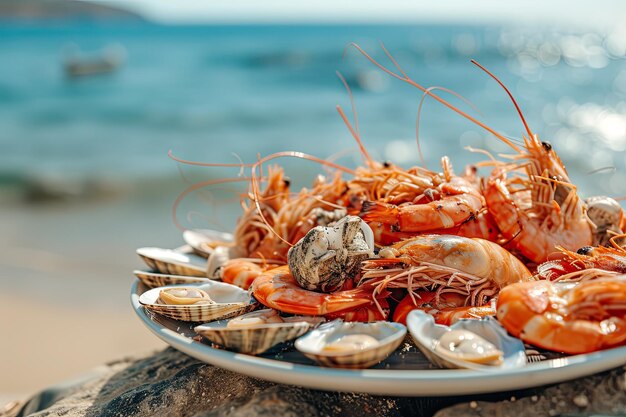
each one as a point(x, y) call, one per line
point(169, 383)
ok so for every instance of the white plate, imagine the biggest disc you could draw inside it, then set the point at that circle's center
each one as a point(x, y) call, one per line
point(400, 374)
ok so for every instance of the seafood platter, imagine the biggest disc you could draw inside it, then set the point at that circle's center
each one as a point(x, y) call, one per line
point(401, 281)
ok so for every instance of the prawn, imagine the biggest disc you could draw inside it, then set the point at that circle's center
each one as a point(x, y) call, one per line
point(443, 202)
point(539, 209)
point(586, 263)
point(278, 289)
point(474, 268)
point(241, 271)
point(447, 311)
point(572, 318)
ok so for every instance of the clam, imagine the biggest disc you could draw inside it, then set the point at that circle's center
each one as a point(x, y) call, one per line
point(154, 279)
point(256, 332)
point(469, 343)
point(223, 301)
point(204, 241)
point(351, 345)
point(175, 262)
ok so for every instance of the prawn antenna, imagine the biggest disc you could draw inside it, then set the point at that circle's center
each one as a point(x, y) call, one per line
point(195, 187)
point(519, 111)
point(403, 77)
point(356, 134)
point(419, 108)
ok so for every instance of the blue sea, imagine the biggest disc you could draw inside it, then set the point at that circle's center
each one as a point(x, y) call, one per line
point(225, 93)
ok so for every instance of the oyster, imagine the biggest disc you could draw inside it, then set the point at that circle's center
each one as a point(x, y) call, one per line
point(227, 301)
point(469, 343)
point(175, 262)
point(256, 332)
point(351, 345)
point(204, 241)
point(326, 256)
point(154, 279)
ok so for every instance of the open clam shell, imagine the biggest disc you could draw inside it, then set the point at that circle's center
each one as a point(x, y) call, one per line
point(174, 262)
point(229, 301)
point(426, 335)
point(256, 338)
point(155, 279)
point(388, 337)
point(201, 240)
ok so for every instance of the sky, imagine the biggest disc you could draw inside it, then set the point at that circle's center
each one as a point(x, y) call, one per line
point(561, 12)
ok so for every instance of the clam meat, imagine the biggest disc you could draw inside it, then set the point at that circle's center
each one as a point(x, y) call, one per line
point(468, 346)
point(184, 296)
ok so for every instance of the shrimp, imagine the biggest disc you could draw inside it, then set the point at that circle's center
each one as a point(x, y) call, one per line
point(474, 268)
point(588, 262)
point(270, 231)
point(447, 311)
point(241, 271)
point(278, 289)
point(572, 318)
point(445, 202)
point(542, 210)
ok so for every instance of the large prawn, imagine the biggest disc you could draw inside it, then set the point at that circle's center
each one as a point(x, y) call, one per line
point(474, 269)
point(572, 318)
point(277, 289)
point(586, 263)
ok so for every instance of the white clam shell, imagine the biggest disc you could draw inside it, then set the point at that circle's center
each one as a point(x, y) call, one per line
point(389, 336)
point(426, 334)
point(217, 259)
point(229, 300)
point(257, 338)
point(199, 238)
point(155, 279)
point(174, 262)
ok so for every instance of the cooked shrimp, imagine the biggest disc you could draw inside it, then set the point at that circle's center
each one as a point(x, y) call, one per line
point(588, 262)
point(572, 318)
point(542, 210)
point(270, 231)
point(241, 272)
point(447, 311)
point(278, 289)
point(474, 268)
point(447, 201)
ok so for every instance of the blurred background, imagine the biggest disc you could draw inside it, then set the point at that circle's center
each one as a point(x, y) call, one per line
point(93, 95)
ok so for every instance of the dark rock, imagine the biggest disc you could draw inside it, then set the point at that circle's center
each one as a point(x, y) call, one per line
point(169, 383)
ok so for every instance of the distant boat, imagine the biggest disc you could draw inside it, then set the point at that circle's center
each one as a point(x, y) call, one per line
point(109, 60)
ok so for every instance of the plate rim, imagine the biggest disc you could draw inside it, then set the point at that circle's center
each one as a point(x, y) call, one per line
point(396, 382)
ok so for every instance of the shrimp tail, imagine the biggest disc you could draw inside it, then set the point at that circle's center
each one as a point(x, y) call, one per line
point(375, 211)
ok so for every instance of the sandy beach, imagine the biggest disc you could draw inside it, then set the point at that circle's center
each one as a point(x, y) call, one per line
point(66, 276)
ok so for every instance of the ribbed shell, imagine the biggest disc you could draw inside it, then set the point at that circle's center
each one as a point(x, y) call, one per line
point(255, 339)
point(154, 279)
point(197, 239)
point(230, 301)
point(159, 260)
point(390, 335)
